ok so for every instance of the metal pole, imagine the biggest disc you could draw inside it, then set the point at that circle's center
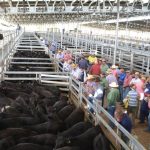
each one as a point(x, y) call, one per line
point(61, 30)
point(117, 28)
point(77, 37)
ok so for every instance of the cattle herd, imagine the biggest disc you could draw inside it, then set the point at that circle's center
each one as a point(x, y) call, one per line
point(39, 117)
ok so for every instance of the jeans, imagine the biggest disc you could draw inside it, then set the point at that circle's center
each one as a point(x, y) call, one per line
point(125, 91)
point(111, 111)
point(144, 112)
point(121, 92)
point(149, 121)
point(91, 101)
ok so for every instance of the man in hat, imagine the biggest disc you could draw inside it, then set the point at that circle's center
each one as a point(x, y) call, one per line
point(110, 77)
point(59, 55)
point(113, 97)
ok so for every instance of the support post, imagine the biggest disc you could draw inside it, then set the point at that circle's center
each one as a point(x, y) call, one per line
point(117, 28)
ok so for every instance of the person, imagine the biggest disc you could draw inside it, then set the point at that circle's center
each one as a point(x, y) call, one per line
point(126, 83)
point(148, 100)
point(95, 68)
point(133, 103)
point(97, 94)
point(67, 66)
point(124, 120)
point(121, 78)
point(105, 86)
point(92, 59)
point(112, 98)
point(75, 71)
point(83, 63)
point(104, 66)
point(53, 47)
point(114, 70)
point(110, 77)
point(67, 56)
point(60, 55)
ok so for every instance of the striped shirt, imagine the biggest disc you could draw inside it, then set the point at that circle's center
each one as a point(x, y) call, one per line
point(133, 98)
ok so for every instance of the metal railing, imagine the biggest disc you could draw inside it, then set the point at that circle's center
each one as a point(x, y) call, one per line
point(77, 93)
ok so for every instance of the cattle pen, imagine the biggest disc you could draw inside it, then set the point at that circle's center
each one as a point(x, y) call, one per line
point(47, 71)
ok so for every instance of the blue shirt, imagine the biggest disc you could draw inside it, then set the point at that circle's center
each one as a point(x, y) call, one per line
point(126, 123)
point(121, 78)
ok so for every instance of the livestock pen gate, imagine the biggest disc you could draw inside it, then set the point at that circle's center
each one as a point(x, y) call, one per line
point(76, 90)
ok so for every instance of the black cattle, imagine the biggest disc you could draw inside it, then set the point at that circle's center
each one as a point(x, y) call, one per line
point(101, 143)
point(7, 142)
point(16, 132)
point(76, 130)
point(84, 141)
point(42, 139)
point(59, 105)
point(51, 126)
point(65, 112)
point(76, 116)
point(30, 146)
point(17, 122)
point(68, 148)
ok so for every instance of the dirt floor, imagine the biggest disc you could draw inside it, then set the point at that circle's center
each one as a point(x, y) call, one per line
point(142, 136)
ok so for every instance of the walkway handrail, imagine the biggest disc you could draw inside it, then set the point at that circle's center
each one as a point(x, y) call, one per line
point(98, 108)
point(78, 90)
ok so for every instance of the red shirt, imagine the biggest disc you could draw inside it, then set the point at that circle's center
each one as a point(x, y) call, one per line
point(95, 69)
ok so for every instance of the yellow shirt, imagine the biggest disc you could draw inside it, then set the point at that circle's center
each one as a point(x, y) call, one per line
point(91, 59)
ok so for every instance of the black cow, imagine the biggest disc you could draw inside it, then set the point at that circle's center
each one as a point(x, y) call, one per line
point(16, 132)
point(42, 139)
point(30, 146)
point(65, 112)
point(101, 143)
point(84, 141)
point(76, 116)
point(68, 148)
point(76, 130)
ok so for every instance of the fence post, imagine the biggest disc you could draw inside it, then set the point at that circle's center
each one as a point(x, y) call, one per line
point(80, 94)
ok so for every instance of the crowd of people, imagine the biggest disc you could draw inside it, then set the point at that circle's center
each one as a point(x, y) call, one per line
point(111, 86)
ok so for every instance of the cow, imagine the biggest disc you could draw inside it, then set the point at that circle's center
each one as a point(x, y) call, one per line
point(101, 142)
point(76, 116)
point(76, 129)
point(42, 139)
point(68, 148)
point(84, 140)
point(30, 146)
point(16, 132)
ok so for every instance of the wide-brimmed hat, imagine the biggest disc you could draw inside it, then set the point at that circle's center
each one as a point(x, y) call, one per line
point(113, 84)
point(89, 77)
point(128, 71)
point(114, 67)
point(109, 71)
point(137, 73)
point(73, 65)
